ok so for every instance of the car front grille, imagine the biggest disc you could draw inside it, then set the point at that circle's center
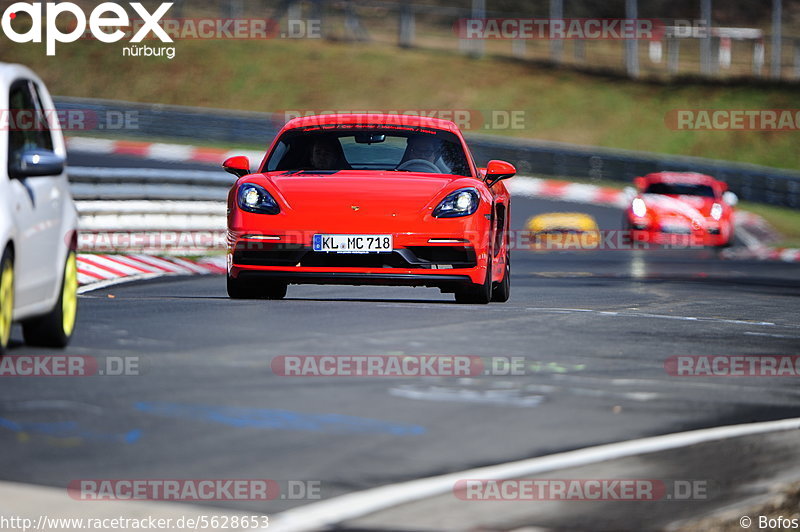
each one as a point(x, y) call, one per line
point(676, 229)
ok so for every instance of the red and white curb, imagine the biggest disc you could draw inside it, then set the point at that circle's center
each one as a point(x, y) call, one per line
point(158, 151)
point(534, 187)
point(100, 271)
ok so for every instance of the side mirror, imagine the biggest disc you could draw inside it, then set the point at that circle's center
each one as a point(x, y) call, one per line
point(730, 198)
point(238, 166)
point(36, 163)
point(499, 170)
point(640, 183)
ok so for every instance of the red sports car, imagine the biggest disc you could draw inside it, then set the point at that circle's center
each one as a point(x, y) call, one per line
point(369, 199)
point(681, 208)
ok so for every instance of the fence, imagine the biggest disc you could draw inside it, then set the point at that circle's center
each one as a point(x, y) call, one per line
point(696, 45)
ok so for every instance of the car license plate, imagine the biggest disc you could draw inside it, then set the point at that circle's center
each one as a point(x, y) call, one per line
point(353, 243)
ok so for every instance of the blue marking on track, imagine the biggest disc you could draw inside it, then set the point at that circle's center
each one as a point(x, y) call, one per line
point(261, 418)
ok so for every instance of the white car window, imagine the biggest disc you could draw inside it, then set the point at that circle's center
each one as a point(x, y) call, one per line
point(28, 127)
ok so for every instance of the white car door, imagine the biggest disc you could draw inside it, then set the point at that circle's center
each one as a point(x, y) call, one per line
point(37, 202)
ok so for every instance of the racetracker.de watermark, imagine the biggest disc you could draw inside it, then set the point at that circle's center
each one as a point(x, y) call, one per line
point(199, 240)
point(168, 241)
point(260, 489)
point(558, 28)
point(595, 489)
point(733, 366)
point(378, 366)
point(614, 239)
point(150, 522)
point(182, 29)
point(465, 119)
point(68, 366)
point(733, 119)
point(68, 119)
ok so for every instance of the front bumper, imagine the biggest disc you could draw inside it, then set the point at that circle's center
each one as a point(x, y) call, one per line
point(695, 239)
point(442, 261)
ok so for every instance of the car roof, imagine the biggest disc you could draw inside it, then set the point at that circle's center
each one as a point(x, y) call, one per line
point(681, 177)
point(11, 71)
point(372, 118)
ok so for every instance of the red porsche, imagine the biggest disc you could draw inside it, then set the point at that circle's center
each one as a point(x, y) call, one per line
point(369, 199)
point(681, 208)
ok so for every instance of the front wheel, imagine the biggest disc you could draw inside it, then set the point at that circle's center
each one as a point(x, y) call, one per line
point(477, 294)
point(6, 299)
point(55, 328)
point(502, 291)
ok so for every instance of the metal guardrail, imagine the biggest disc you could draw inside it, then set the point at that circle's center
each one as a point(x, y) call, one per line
point(148, 184)
point(155, 122)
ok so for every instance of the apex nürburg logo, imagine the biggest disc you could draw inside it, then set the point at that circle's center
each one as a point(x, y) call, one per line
point(104, 23)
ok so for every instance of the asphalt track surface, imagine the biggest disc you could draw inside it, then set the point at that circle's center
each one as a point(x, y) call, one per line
point(594, 328)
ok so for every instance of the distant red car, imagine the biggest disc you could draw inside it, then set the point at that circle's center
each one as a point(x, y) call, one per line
point(681, 208)
point(369, 199)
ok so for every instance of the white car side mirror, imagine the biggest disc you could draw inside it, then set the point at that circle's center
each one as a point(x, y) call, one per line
point(730, 198)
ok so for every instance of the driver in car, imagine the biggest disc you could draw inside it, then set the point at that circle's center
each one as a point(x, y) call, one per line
point(326, 154)
point(424, 148)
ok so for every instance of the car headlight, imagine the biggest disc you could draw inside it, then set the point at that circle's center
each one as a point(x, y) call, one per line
point(716, 211)
point(462, 202)
point(639, 207)
point(253, 198)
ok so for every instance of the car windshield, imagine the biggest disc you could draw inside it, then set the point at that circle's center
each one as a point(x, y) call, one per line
point(400, 148)
point(680, 189)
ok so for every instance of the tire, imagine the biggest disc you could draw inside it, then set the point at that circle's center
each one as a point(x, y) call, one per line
point(237, 289)
point(242, 289)
point(6, 299)
point(55, 329)
point(502, 291)
point(730, 242)
point(477, 294)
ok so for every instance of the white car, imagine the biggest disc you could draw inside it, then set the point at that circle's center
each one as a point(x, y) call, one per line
point(38, 220)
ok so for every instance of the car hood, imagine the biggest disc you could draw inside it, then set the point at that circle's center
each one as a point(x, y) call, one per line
point(368, 191)
point(690, 207)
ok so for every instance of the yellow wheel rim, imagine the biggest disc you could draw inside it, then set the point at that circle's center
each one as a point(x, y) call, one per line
point(69, 299)
point(6, 301)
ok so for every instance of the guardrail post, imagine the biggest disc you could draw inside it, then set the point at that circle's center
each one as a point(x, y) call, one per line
point(318, 13)
point(775, 64)
point(556, 45)
point(673, 55)
point(705, 42)
point(477, 47)
point(579, 50)
point(352, 23)
point(758, 58)
point(631, 45)
point(407, 26)
point(235, 8)
point(518, 47)
point(294, 10)
point(714, 60)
